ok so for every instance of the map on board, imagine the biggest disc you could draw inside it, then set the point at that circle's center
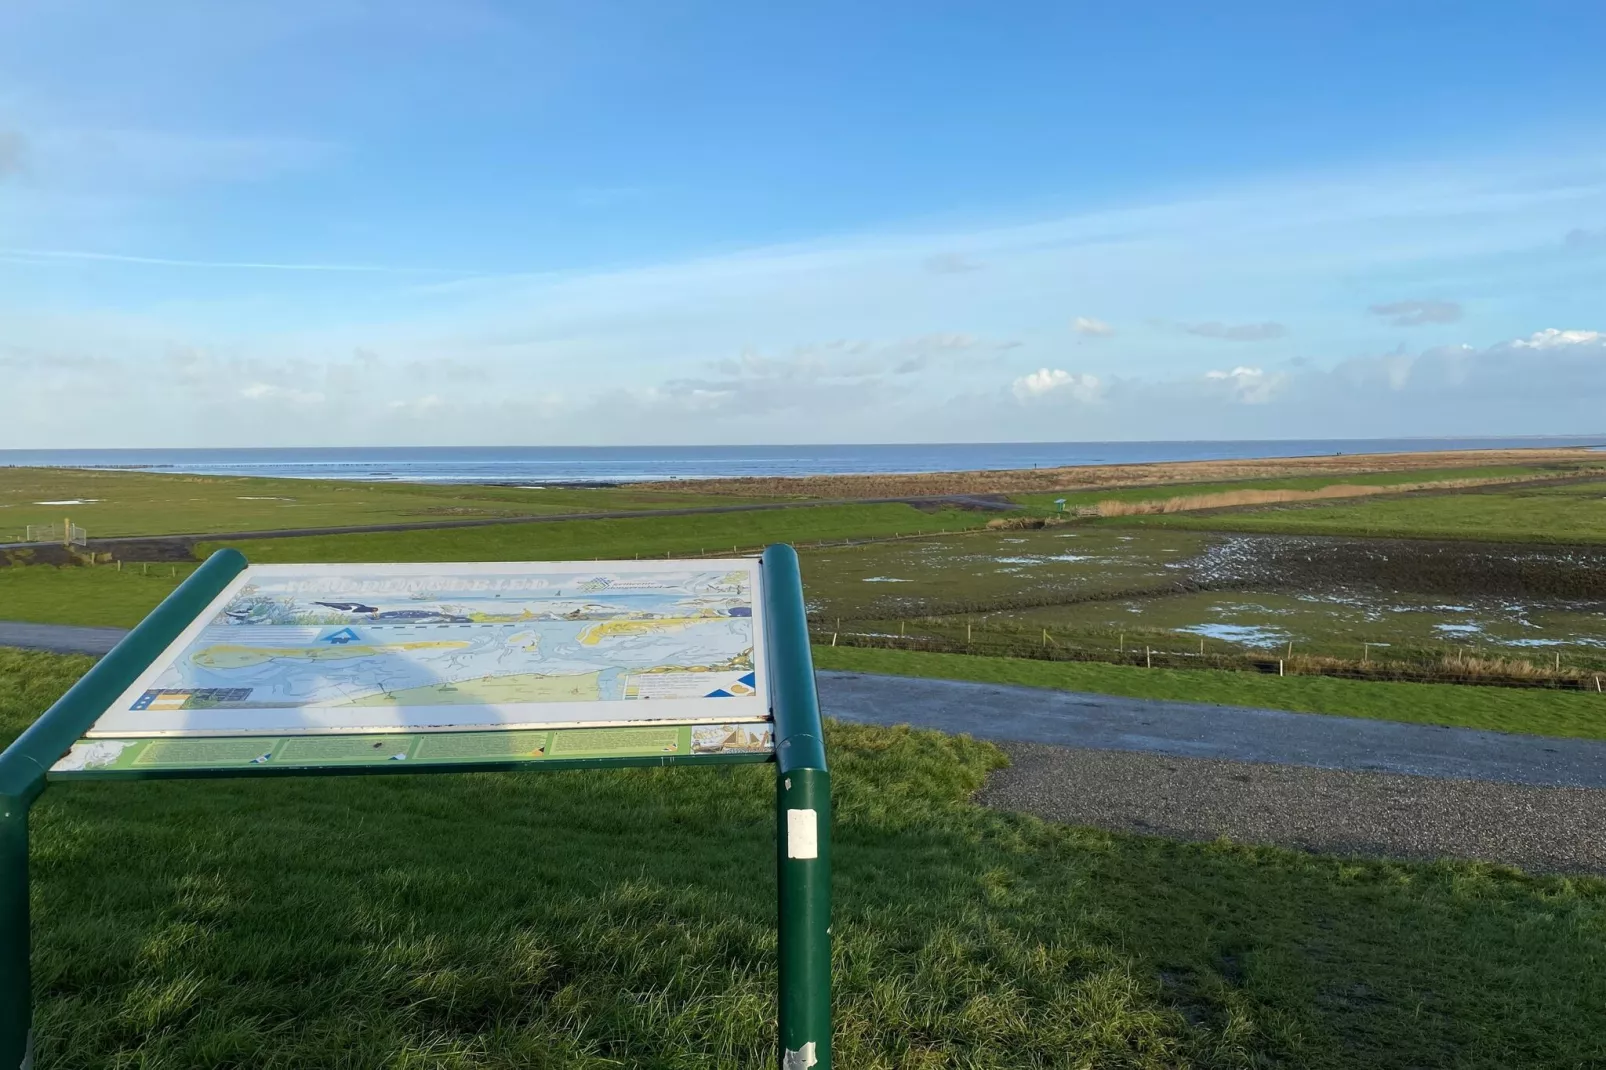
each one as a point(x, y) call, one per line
point(347, 648)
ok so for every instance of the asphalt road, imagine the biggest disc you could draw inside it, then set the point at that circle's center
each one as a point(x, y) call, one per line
point(59, 638)
point(1197, 730)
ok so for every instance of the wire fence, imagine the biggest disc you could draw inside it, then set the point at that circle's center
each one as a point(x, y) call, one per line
point(64, 534)
point(1449, 669)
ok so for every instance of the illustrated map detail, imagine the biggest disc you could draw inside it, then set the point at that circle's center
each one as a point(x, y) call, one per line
point(438, 646)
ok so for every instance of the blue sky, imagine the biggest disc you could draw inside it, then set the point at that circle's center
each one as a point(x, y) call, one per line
point(464, 222)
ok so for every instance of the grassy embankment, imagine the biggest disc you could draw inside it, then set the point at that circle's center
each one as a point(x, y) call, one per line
point(1574, 513)
point(592, 920)
point(142, 503)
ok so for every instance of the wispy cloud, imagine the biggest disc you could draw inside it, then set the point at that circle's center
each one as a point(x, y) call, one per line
point(1092, 328)
point(13, 153)
point(950, 264)
point(1581, 239)
point(1418, 313)
point(1236, 332)
point(631, 349)
point(37, 256)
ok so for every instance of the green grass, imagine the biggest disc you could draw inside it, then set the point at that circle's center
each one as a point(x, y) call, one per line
point(100, 596)
point(1044, 503)
point(626, 919)
point(142, 503)
point(1569, 514)
point(1498, 709)
point(605, 539)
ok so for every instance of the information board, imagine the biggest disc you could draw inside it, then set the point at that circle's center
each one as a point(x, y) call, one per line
point(318, 670)
point(417, 648)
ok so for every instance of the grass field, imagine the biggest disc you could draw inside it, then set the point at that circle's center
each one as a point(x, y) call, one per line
point(1566, 514)
point(1498, 709)
point(626, 919)
point(100, 596)
point(107, 504)
point(624, 538)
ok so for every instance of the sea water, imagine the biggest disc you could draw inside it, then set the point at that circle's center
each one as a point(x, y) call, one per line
point(545, 465)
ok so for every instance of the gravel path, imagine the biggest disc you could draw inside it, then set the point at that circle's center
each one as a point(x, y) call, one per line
point(1340, 812)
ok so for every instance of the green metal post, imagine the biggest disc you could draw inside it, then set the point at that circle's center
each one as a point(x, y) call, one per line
point(803, 818)
point(30, 756)
point(16, 986)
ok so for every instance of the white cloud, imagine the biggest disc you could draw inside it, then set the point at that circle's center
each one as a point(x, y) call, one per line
point(1250, 386)
point(422, 406)
point(1092, 327)
point(1049, 381)
point(269, 392)
point(1551, 338)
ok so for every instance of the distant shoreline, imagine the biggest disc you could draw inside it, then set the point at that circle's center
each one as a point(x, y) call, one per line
point(612, 466)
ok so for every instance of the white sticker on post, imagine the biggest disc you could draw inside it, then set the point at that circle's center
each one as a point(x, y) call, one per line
point(802, 834)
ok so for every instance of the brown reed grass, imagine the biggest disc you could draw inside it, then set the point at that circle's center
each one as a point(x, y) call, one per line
point(1228, 499)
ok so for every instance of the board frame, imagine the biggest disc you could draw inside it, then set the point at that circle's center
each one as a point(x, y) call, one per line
point(803, 794)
